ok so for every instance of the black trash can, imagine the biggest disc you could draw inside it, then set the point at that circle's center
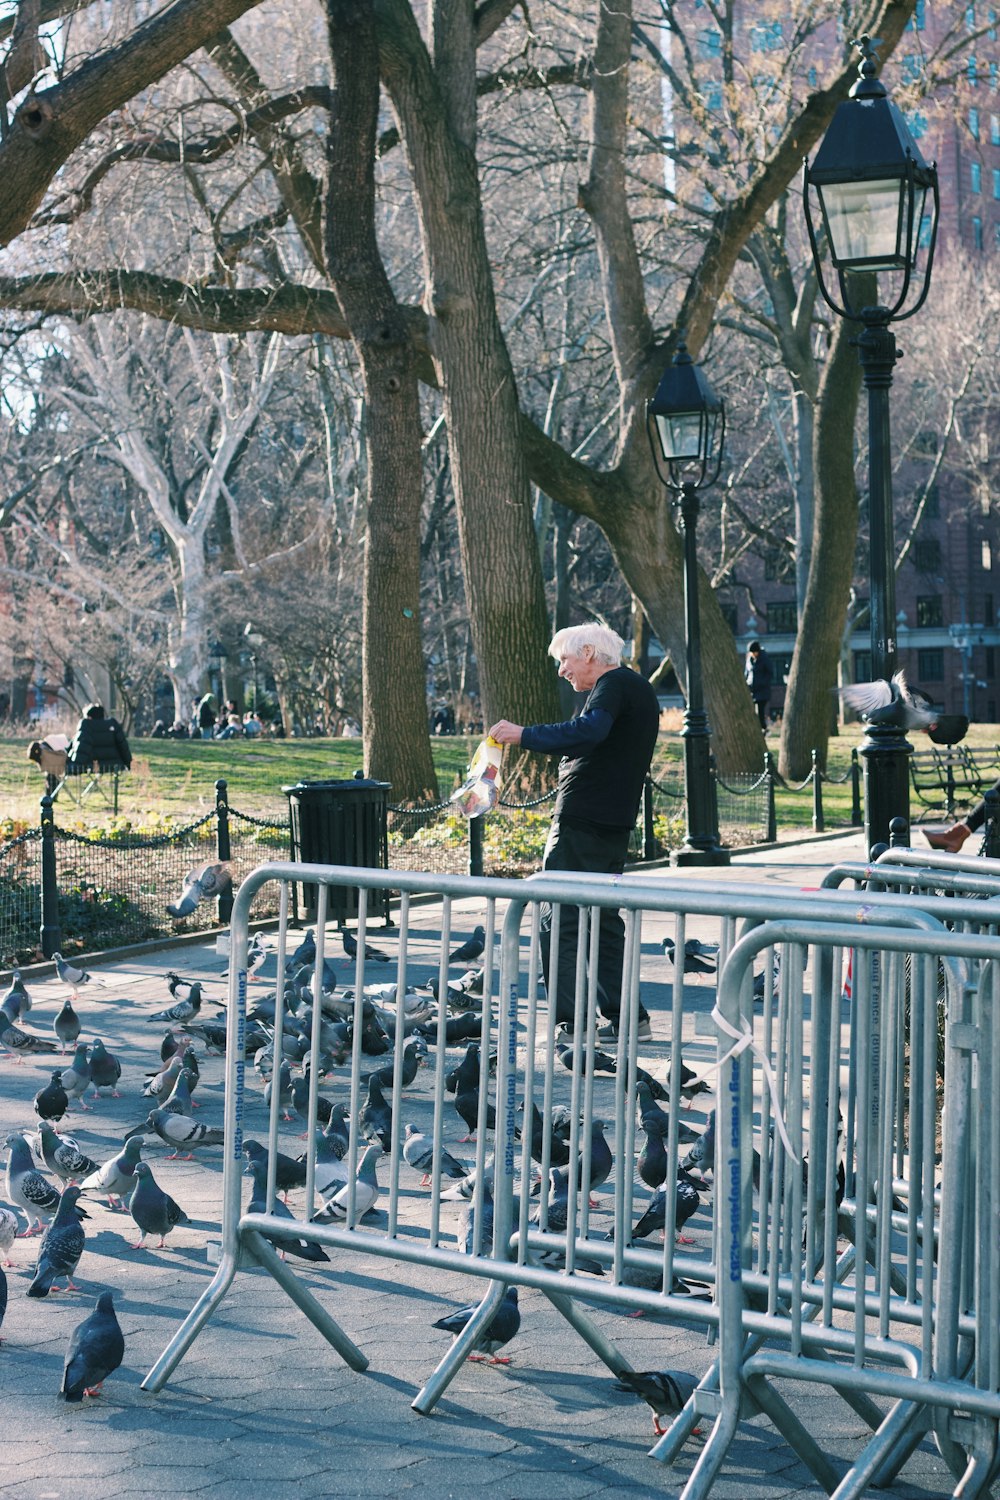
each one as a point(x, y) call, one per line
point(339, 823)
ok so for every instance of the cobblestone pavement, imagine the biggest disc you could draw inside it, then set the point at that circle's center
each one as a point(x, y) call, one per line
point(261, 1406)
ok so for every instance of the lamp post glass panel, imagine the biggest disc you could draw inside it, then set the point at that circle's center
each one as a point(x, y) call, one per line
point(686, 422)
point(878, 213)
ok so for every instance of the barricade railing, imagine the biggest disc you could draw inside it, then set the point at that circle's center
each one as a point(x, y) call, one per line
point(787, 1301)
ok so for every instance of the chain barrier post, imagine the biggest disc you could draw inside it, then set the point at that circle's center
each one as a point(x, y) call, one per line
point(50, 933)
point(476, 845)
point(771, 836)
point(817, 780)
point(856, 815)
point(223, 846)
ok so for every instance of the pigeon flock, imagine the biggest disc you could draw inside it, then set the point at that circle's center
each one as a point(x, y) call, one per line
point(66, 1191)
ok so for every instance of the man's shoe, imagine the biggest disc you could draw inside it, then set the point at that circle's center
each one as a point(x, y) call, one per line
point(609, 1033)
point(948, 839)
point(645, 1030)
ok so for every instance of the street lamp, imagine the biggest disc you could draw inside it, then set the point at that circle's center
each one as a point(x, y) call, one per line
point(253, 641)
point(873, 187)
point(686, 422)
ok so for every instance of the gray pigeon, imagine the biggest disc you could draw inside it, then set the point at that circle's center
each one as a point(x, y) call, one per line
point(375, 1116)
point(161, 1085)
point(178, 1131)
point(69, 973)
point(418, 1152)
point(67, 1025)
point(8, 1232)
point(891, 703)
point(62, 1158)
point(16, 991)
point(60, 1247)
point(75, 1078)
point(666, 1392)
point(304, 1249)
point(96, 1349)
point(29, 1188)
point(499, 1331)
point(153, 1210)
point(17, 1040)
point(284, 1090)
point(183, 1010)
point(288, 1172)
point(330, 1172)
point(366, 1189)
point(467, 953)
point(52, 1101)
point(117, 1176)
point(179, 1102)
point(105, 1070)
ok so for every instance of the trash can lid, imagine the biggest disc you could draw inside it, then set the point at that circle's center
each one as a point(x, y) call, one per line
point(355, 783)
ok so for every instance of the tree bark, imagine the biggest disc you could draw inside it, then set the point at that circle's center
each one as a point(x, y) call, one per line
point(397, 748)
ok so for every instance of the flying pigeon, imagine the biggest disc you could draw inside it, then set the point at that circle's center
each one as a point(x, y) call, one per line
point(29, 1188)
point(105, 1070)
point(60, 1247)
point(468, 952)
point(499, 1331)
point(70, 974)
point(96, 1349)
point(185, 1009)
point(894, 704)
point(418, 1152)
point(153, 1210)
point(8, 1233)
point(366, 1189)
point(372, 954)
point(52, 1101)
point(67, 1026)
point(666, 1392)
point(18, 1041)
point(201, 885)
point(117, 1176)
point(63, 1159)
point(304, 1249)
point(178, 1131)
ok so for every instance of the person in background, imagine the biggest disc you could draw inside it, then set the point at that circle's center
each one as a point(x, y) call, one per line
point(951, 839)
point(605, 750)
point(759, 676)
point(232, 728)
point(206, 716)
point(252, 726)
point(158, 731)
point(99, 741)
point(178, 731)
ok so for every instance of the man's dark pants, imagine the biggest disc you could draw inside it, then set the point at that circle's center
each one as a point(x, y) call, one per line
point(579, 844)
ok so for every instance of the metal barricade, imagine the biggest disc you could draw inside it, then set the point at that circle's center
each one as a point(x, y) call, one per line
point(805, 1074)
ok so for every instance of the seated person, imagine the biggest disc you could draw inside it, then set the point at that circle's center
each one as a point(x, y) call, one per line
point(158, 731)
point(230, 729)
point(100, 741)
point(178, 731)
point(252, 726)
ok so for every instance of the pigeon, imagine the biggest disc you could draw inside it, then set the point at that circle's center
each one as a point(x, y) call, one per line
point(70, 974)
point(288, 1172)
point(372, 954)
point(666, 1392)
point(556, 1222)
point(52, 1101)
point(894, 704)
point(177, 1131)
point(214, 1035)
point(701, 1157)
point(63, 1159)
point(183, 1047)
point(558, 1142)
point(184, 1010)
point(686, 1203)
point(375, 1116)
point(412, 1056)
point(418, 1152)
point(463, 1028)
point(29, 1188)
point(603, 1061)
point(479, 1227)
point(105, 1070)
point(653, 1162)
point(649, 1111)
point(467, 953)
point(366, 1189)
point(336, 1130)
point(499, 1330)
point(460, 995)
point(17, 992)
point(304, 1249)
point(179, 986)
point(60, 1247)
point(465, 1187)
point(96, 1349)
point(153, 1210)
point(304, 954)
point(8, 1234)
point(18, 1041)
point(75, 1078)
point(201, 885)
point(117, 1176)
point(284, 1090)
point(161, 1085)
point(179, 1101)
point(330, 1170)
point(696, 960)
point(67, 1026)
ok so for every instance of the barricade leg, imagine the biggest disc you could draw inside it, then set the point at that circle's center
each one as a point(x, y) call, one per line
point(434, 1388)
point(318, 1316)
point(192, 1325)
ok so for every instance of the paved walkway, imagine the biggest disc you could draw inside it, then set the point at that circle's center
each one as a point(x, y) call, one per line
point(262, 1407)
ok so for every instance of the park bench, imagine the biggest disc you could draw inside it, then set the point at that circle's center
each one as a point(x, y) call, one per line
point(948, 776)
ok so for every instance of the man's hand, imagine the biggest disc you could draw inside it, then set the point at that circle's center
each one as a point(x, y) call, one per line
point(505, 733)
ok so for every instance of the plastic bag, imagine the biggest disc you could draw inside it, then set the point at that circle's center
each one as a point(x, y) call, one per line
point(479, 792)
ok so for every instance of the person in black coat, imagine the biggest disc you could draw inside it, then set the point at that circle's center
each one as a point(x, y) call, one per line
point(99, 740)
point(760, 680)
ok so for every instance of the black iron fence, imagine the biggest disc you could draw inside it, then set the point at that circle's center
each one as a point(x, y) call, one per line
point(71, 892)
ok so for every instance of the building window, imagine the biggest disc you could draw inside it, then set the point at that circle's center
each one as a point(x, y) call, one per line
point(930, 665)
point(986, 556)
point(932, 509)
point(977, 232)
point(991, 662)
point(812, 78)
point(781, 665)
point(927, 555)
point(713, 96)
point(728, 612)
point(912, 67)
point(766, 37)
point(930, 611)
point(711, 42)
point(782, 618)
point(974, 124)
point(971, 71)
point(975, 177)
point(916, 21)
point(862, 666)
point(993, 24)
point(970, 17)
point(989, 616)
point(995, 130)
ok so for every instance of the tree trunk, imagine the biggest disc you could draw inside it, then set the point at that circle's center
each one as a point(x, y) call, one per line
point(397, 748)
point(806, 721)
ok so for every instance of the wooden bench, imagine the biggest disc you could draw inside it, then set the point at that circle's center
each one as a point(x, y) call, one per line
point(947, 776)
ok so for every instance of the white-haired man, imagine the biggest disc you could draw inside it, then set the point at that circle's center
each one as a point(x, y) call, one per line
point(606, 749)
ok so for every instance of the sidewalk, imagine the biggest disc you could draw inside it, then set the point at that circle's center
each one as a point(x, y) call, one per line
point(261, 1406)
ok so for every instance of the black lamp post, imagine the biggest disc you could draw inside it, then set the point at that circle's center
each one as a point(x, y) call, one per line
point(872, 185)
point(686, 422)
point(253, 641)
